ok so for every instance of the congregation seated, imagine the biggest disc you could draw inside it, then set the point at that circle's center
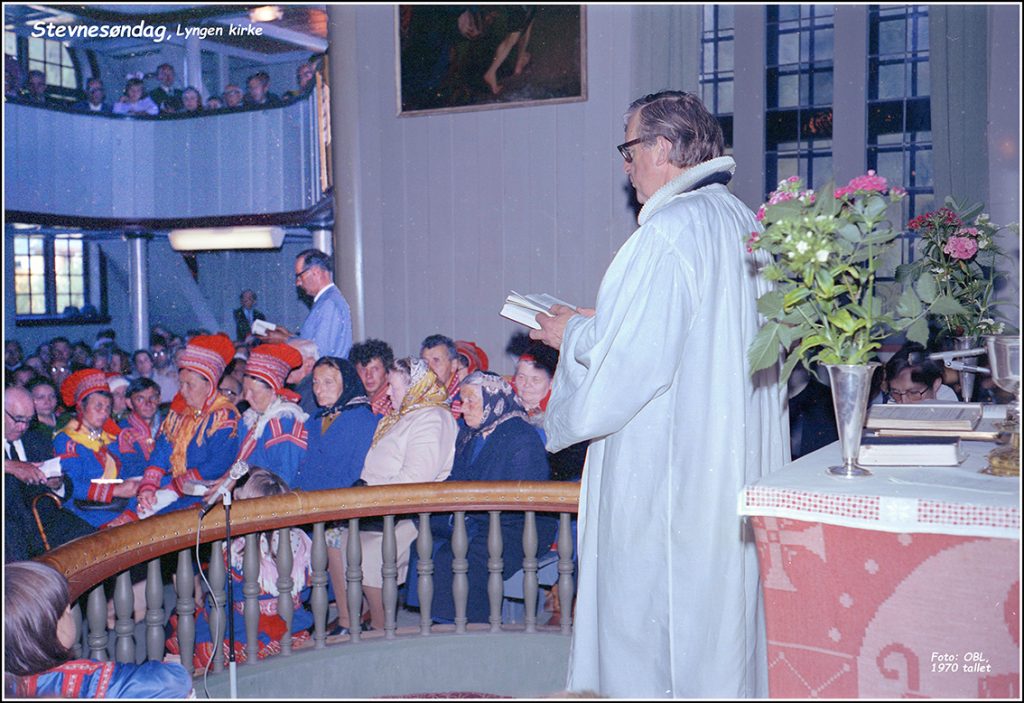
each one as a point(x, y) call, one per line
point(496, 443)
point(258, 483)
point(911, 377)
point(372, 360)
point(135, 101)
point(39, 633)
point(414, 444)
point(49, 415)
point(275, 434)
point(88, 452)
point(470, 358)
point(339, 434)
point(35, 519)
point(443, 359)
point(300, 380)
point(165, 96)
point(140, 427)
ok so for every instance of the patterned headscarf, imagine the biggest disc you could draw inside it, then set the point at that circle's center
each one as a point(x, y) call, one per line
point(425, 391)
point(500, 404)
point(353, 394)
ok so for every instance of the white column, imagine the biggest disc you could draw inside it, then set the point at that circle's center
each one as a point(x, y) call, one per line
point(748, 105)
point(850, 93)
point(347, 177)
point(138, 280)
point(94, 295)
point(323, 239)
point(194, 65)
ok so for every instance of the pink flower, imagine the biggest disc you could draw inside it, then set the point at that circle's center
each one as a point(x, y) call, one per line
point(961, 247)
point(967, 232)
point(754, 236)
point(868, 183)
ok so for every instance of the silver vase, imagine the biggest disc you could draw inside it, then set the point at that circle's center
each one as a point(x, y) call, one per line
point(966, 377)
point(851, 390)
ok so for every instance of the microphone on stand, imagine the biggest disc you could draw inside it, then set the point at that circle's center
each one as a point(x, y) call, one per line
point(238, 470)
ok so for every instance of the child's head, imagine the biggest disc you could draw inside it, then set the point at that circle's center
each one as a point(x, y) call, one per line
point(261, 482)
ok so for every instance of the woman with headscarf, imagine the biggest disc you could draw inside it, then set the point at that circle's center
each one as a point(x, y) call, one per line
point(199, 438)
point(339, 435)
point(497, 443)
point(276, 436)
point(414, 444)
point(88, 452)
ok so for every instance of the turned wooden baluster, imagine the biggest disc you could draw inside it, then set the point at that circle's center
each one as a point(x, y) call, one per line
point(389, 576)
point(495, 568)
point(530, 569)
point(425, 572)
point(186, 609)
point(318, 597)
point(124, 626)
point(285, 584)
point(251, 594)
point(565, 585)
point(218, 599)
point(154, 611)
point(96, 612)
point(460, 570)
point(354, 579)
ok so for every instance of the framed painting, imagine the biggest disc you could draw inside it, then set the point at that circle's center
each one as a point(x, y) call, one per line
point(455, 58)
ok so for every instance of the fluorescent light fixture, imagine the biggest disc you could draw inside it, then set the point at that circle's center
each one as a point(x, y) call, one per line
point(202, 239)
point(266, 13)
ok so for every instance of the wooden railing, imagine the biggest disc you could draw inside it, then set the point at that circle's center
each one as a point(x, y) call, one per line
point(89, 561)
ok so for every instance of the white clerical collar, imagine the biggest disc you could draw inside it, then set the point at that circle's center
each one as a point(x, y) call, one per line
point(96, 108)
point(322, 291)
point(684, 182)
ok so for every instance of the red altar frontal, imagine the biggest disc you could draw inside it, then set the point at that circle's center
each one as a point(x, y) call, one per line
point(905, 583)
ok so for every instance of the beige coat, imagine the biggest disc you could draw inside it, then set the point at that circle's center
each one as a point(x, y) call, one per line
point(419, 448)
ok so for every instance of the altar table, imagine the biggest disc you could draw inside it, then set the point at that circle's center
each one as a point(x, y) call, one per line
point(905, 583)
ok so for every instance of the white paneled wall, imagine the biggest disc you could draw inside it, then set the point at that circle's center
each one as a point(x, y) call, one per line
point(454, 210)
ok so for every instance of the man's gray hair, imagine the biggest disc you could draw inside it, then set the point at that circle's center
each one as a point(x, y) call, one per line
point(682, 119)
point(306, 347)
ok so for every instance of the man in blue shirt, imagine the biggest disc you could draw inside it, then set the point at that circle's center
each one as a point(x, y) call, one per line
point(329, 322)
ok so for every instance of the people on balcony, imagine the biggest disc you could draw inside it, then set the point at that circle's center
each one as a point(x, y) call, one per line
point(88, 451)
point(415, 444)
point(95, 98)
point(135, 101)
point(271, 628)
point(339, 434)
point(191, 102)
point(36, 90)
point(258, 93)
point(39, 633)
point(372, 360)
point(275, 424)
point(165, 95)
point(233, 97)
point(304, 75)
point(496, 443)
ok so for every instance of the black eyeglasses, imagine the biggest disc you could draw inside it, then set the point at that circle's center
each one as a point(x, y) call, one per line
point(18, 419)
point(300, 274)
point(625, 150)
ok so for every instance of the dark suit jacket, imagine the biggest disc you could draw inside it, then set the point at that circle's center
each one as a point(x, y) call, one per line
point(22, 539)
point(83, 106)
point(242, 328)
point(167, 101)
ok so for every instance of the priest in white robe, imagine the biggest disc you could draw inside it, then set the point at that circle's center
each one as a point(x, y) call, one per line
point(657, 376)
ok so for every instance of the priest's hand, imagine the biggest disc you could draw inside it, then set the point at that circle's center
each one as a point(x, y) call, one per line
point(280, 335)
point(552, 328)
point(24, 471)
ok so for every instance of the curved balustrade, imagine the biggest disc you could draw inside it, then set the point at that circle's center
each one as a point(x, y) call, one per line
point(82, 168)
point(89, 561)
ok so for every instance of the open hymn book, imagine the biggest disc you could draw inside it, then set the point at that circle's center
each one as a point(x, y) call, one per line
point(524, 308)
point(261, 327)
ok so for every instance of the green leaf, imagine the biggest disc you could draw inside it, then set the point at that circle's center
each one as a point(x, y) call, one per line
point(918, 331)
point(850, 232)
point(946, 305)
point(844, 321)
point(927, 288)
point(787, 368)
point(909, 304)
point(764, 350)
point(770, 304)
point(875, 206)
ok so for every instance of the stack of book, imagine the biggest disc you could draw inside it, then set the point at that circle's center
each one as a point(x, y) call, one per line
point(918, 434)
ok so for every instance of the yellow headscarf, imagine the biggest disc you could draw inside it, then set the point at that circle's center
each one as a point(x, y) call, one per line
point(425, 391)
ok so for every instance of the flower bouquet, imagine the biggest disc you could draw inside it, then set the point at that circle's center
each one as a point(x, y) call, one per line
point(958, 258)
point(825, 249)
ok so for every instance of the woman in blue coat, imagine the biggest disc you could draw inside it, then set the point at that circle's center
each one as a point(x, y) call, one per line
point(340, 433)
point(497, 443)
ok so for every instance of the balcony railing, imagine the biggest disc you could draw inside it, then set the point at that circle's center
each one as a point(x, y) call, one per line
point(82, 169)
point(89, 561)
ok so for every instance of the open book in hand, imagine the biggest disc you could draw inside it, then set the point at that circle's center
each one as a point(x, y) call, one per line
point(524, 308)
point(261, 327)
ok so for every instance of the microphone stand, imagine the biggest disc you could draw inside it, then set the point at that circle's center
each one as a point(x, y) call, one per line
point(225, 492)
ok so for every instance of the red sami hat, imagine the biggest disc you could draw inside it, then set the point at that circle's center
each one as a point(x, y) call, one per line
point(82, 383)
point(272, 363)
point(208, 355)
point(474, 355)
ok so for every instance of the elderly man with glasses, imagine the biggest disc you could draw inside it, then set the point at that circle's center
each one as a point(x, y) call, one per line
point(329, 322)
point(656, 376)
point(25, 484)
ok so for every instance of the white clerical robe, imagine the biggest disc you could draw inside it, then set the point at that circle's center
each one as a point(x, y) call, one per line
point(668, 600)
